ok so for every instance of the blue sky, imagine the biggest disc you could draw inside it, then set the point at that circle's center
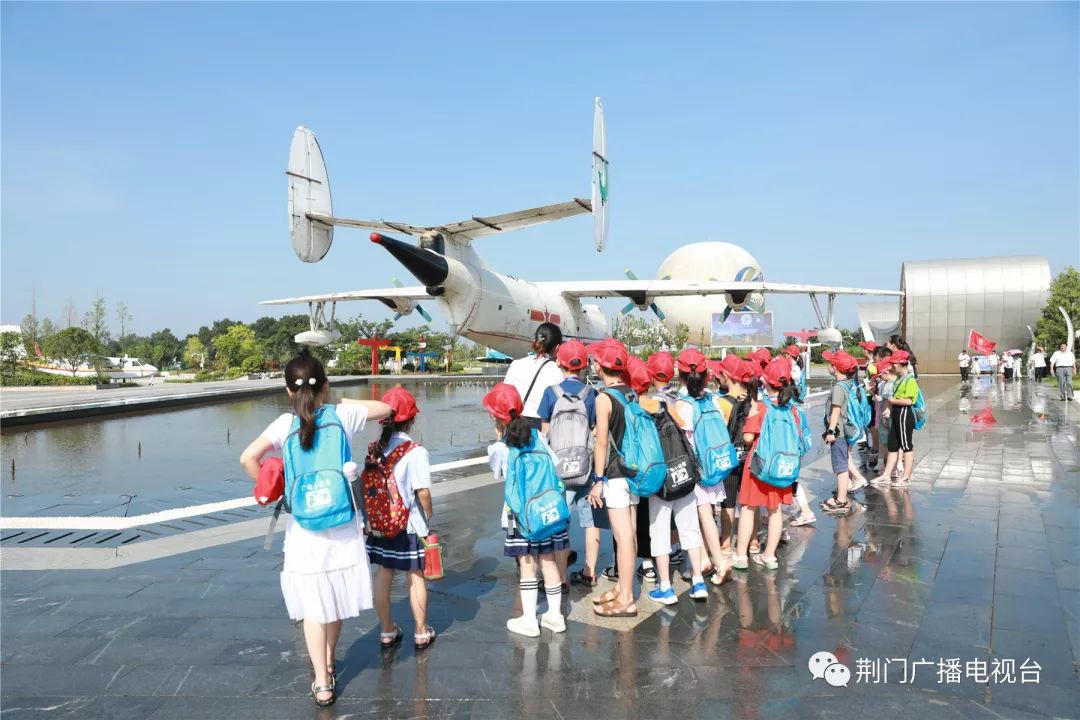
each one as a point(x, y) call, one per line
point(144, 144)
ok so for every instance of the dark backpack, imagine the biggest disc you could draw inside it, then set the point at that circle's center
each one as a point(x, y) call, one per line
point(683, 470)
point(738, 411)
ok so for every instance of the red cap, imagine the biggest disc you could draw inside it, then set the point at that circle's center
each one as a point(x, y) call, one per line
point(402, 402)
point(793, 350)
point(868, 345)
point(840, 360)
point(691, 360)
point(610, 354)
point(883, 367)
point(714, 368)
point(661, 366)
point(761, 356)
point(572, 355)
point(737, 369)
point(639, 375)
point(777, 370)
point(899, 356)
point(503, 402)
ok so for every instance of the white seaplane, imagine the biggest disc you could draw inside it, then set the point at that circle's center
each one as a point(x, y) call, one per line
point(501, 311)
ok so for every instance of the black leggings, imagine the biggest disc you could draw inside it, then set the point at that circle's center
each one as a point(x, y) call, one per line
point(902, 429)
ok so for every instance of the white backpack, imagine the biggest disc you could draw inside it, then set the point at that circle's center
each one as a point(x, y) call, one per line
point(570, 436)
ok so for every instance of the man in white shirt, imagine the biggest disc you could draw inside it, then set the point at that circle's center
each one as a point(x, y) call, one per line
point(1063, 363)
point(535, 373)
point(1038, 363)
point(964, 361)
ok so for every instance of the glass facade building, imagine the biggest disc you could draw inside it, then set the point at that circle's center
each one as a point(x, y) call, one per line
point(945, 299)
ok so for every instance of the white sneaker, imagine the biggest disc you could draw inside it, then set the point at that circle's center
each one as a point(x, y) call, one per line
point(554, 623)
point(523, 626)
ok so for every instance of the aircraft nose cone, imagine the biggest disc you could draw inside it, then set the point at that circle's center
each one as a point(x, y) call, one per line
point(430, 268)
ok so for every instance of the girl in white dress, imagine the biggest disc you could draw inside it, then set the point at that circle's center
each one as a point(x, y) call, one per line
point(325, 578)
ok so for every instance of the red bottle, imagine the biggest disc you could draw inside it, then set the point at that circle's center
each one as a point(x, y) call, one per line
point(433, 561)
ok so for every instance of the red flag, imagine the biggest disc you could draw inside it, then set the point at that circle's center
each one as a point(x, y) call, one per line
point(980, 344)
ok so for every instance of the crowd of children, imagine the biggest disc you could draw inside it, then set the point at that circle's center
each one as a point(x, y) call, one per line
point(706, 454)
point(680, 457)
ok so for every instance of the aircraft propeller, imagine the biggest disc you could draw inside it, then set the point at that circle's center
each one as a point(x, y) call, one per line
point(422, 311)
point(630, 306)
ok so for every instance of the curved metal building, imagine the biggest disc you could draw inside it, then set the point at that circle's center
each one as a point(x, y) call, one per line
point(945, 299)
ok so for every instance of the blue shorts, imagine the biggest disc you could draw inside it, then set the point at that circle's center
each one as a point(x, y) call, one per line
point(839, 455)
point(580, 497)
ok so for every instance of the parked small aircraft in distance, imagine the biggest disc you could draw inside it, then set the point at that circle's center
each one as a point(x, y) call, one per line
point(498, 310)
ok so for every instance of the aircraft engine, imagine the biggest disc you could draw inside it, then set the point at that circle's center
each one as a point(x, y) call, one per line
point(708, 261)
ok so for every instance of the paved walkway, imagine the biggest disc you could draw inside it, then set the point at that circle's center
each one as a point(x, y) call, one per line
point(979, 562)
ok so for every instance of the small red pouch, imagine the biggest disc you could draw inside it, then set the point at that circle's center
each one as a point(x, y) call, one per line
point(271, 483)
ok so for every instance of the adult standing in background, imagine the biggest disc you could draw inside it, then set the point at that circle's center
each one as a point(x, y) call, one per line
point(1038, 362)
point(964, 361)
point(993, 358)
point(1063, 363)
point(536, 372)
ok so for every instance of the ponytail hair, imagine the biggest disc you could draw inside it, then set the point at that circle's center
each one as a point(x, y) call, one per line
point(788, 393)
point(548, 337)
point(695, 383)
point(306, 378)
point(389, 427)
point(753, 387)
point(518, 431)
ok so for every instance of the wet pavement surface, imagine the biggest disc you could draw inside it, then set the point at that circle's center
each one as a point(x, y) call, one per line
point(974, 570)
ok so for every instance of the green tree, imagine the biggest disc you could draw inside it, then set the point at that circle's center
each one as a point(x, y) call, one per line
point(95, 323)
point(70, 348)
point(30, 332)
point(236, 344)
point(124, 317)
point(1050, 331)
point(10, 343)
point(643, 337)
point(195, 354)
point(47, 330)
point(163, 349)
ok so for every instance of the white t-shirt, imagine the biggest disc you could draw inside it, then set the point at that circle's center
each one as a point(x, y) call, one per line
point(1038, 360)
point(796, 372)
point(520, 374)
point(319, 551)
point(412, 472)
point(964, 359)
point(993, 359)
point(498, 454)
point(1062, 359)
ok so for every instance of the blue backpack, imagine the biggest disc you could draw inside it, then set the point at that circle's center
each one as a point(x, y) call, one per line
point(534, 492)
point(777, 459)
point(642, 454)
point(858, 411)
point(919, 407)
point(712, 442)
point(317, 493)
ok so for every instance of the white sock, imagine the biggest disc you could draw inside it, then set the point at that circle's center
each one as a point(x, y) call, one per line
point(646, 564)
point(665, 585)
point(554, 599)
point(529, 589)
point(697, 579)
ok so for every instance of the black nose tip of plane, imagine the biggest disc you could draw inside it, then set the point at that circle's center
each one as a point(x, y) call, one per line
point(428, 267)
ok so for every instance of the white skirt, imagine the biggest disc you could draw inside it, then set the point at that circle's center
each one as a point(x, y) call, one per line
point(326, 597)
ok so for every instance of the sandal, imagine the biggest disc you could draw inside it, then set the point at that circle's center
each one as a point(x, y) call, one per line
point(605, 598)
point(316, 689)
point(422, 641)
point(391, 639)
point(755, 547)
point(331, 670)
point(803, 519)
point(613, 610)
point(834, 506)
point(580, 577)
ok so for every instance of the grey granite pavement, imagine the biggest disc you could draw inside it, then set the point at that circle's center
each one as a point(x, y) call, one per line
point(978, 563)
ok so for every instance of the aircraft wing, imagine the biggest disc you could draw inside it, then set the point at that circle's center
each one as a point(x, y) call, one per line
point(667, 288)
point(475, 226)
point(386, 296)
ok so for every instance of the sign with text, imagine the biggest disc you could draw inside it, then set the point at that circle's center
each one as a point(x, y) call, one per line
point(742, 329)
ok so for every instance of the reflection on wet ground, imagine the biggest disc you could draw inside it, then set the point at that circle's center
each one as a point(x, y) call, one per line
point(193, 451)
point(937, 600)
